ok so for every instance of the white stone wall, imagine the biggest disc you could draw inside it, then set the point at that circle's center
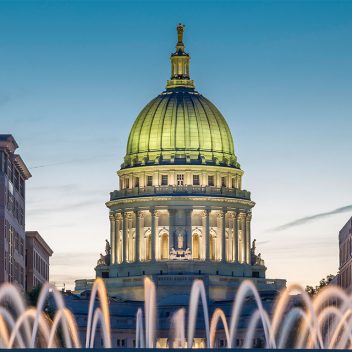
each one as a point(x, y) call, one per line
point(155, 235)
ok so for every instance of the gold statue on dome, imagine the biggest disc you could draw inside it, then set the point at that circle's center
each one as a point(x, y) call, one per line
point(180, 28)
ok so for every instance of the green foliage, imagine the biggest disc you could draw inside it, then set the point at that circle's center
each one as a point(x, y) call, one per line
point(322, 283)
point(32, 296)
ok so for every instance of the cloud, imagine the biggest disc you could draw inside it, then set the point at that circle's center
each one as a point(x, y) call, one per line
point(72, 161)
point(67, 207)
point(312, 218)
point(73, 259)
point(67, 187)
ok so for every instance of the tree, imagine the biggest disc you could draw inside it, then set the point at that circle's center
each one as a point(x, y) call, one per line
point(322, 283)
point(33, 295)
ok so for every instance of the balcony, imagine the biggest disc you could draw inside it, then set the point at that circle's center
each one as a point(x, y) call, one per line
point(180, 191)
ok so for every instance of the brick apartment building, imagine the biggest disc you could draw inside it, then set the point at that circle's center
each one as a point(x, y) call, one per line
point(345, 244)
point(22, 257)
point(13, 176)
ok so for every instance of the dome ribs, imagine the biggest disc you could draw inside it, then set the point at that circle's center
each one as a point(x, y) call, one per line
point(206, 145)
point(166, 128)
point(147, 126)
point(180, 126)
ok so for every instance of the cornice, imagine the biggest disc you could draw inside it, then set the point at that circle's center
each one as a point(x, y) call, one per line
point(174, 167)
point(203, 199)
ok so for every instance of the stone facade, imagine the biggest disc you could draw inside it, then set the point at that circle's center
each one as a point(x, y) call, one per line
point(13, 175)
point(345, 245)
point(37, 260)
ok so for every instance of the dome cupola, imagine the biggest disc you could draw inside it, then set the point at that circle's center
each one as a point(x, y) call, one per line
point(180, 126)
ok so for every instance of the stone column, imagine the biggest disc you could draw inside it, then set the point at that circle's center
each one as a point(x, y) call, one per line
point(188, 216)
point(137, 236)
point(171, 228)
point(204, 182)
point(130, 238)
point(112, 238)
point(124, 237)
point(118, 238)
point(141, 235)
point(237, 240)
point(154, 239)
point(244, 237)
point(231, 241)
point(206, 232)
point(248, 237)
point(222, 215)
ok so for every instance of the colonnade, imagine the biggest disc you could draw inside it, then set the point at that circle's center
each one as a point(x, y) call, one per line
point(221, 235)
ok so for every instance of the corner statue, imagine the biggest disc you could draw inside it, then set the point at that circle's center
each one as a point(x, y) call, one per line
point(101, 260)
point(254, 246)
point(107, 247)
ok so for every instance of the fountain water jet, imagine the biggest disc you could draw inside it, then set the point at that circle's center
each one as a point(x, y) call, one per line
point(245, 288)
point(103, 315)
point(178, 327)
point(218, 315)
point(149, 312)
point(197, 290)
point(328, 314)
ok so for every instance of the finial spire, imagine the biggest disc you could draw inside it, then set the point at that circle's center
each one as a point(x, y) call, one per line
point(180, 29)
point(180, 63)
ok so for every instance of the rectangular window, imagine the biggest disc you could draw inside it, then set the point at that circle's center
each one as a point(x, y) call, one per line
point(127, 183)
point(149, 180)
point(196, 180)
point(233, 182)
point(164, 180)
point(136, 182)
point(180, 180)
point(210, 180)
point(223, 181)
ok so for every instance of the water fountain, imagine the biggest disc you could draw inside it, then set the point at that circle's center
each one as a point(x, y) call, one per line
point(322, 322)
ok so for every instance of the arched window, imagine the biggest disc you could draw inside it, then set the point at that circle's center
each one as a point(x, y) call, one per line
point(165, 246)
point(195, 247)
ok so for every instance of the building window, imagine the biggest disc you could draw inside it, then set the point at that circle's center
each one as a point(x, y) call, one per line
point(195, 247)
point(127, 183)
point(136, 182)
point(165, 246)
point(164, 180)
point(223, 181)
point(196, 180)
point(180, 180)
point(233, 182)
point(210, 180)
point(121, 343)
point(149, 180)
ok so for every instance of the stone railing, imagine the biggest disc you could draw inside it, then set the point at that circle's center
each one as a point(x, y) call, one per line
point(180, 190)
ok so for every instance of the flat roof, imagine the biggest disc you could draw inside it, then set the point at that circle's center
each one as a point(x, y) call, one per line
point(35, 235)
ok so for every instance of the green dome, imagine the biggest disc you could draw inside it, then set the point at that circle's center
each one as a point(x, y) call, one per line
point(180, 126)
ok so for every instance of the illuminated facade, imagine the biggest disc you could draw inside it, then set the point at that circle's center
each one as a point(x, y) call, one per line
point(180, 208)
point(345, 255)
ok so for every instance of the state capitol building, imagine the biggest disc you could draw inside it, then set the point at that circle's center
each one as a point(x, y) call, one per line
point(180, 212)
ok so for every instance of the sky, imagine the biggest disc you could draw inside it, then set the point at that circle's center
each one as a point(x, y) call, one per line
point(75, 74)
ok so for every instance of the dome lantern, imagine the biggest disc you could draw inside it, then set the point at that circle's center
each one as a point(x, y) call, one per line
point(180, 64)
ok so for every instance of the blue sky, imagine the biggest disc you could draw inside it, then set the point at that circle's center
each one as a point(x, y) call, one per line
point(75, 74)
